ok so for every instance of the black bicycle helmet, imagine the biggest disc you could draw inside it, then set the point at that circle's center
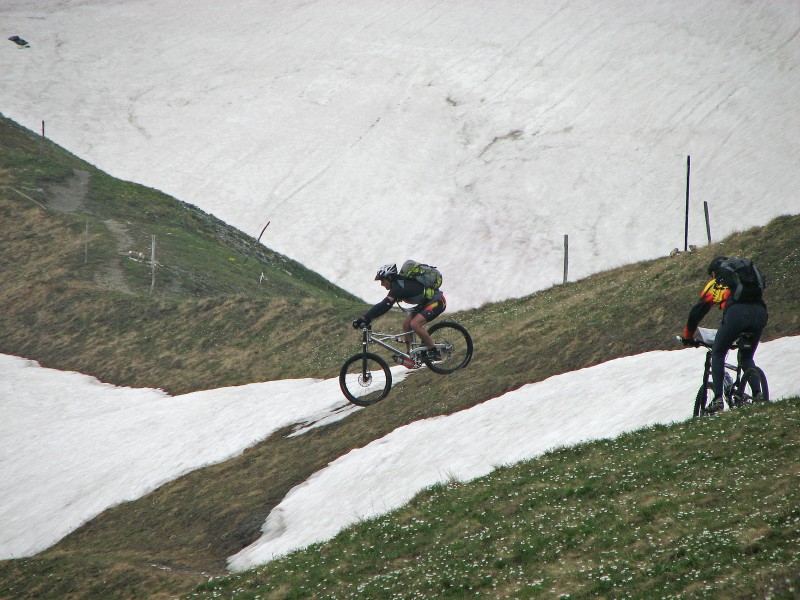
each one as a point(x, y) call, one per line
point(713, 266)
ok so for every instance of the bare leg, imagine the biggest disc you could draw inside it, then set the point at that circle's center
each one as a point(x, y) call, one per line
point(408, 339)
point(416, 325)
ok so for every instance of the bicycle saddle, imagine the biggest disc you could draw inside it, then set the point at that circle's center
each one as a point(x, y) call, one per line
point(745, 341)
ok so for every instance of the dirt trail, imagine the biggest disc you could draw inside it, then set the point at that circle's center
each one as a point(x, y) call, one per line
point(68, 198)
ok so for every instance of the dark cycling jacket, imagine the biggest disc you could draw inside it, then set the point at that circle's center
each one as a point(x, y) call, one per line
point(402, 290)
point(713, 293)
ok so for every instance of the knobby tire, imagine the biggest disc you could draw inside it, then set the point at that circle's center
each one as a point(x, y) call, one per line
point(754, 374)
point(742, 395)
point(365, 379)
point(455, 347)
point(704, 395)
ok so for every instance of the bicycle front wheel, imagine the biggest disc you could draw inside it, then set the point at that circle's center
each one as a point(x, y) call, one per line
point(754, 386)
point(455, 347)
point(704, 396)
point(365, 379)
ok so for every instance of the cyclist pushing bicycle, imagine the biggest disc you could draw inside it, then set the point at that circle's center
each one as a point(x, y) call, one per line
point(737, 286)
point(429, 301)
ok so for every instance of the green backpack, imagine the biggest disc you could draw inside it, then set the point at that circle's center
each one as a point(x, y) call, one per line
point(428, 276)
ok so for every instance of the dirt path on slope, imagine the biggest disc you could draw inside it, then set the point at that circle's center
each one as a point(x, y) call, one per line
point(111, 275)
point(68, 198)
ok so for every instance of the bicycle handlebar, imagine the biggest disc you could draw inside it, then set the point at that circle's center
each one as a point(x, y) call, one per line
point(695, 343)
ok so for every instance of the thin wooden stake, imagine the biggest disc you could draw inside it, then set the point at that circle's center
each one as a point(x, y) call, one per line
point(256, 243)
point(686, 226)
point(41, 143)
point(153, 264)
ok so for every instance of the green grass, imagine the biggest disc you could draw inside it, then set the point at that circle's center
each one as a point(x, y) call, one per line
point(211, 324)
point(705, 508)
point(78, 303)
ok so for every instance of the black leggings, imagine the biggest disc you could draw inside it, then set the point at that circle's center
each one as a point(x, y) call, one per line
point(736, 320)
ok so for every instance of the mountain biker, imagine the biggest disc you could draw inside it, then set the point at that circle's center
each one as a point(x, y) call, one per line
point(737, 317)
point(407, 290)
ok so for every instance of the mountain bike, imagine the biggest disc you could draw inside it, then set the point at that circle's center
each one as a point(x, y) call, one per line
point(365, 377)
point(750, 385)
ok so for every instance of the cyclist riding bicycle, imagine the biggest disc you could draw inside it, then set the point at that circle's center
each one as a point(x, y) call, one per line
point(402, 289)
point(738, 317)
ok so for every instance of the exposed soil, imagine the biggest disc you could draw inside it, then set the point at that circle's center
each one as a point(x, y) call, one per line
point(68, 198)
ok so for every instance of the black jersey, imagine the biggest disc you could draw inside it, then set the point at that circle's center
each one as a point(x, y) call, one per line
point(407, 290)
point(402, 290)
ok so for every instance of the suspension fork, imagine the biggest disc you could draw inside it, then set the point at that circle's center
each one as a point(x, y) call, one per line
point(364, 362)
point(364, 339)
point(707, 373)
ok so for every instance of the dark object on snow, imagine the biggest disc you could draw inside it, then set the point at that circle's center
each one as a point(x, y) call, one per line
point(18, 41)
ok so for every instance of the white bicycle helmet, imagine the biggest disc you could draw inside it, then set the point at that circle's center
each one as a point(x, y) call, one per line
point(386, 271)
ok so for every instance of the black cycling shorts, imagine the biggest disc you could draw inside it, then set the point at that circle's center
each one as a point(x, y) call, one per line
point(431, 309)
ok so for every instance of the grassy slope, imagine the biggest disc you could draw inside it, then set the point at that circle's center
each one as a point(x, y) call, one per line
point(211, 325)
point(704, 508)
point(222, 321)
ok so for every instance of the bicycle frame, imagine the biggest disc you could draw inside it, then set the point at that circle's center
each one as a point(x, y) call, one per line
point(728, 367)
point(381, 339)
point(733, 391)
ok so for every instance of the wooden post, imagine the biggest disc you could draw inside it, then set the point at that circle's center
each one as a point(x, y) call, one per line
point(708, 223)
point(566, 257)
point(41, 143)
point(686, 226)
point(152, 264)
point(258, 240)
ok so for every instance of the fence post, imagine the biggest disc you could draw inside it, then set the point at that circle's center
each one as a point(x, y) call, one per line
point(566, 257)
point(686, 226)
point(41, 143)
point(708, 222)
point(152, 264)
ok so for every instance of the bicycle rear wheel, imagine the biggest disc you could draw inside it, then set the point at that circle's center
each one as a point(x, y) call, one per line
point(365, 379)
point(455, 347)
point(754, 386)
